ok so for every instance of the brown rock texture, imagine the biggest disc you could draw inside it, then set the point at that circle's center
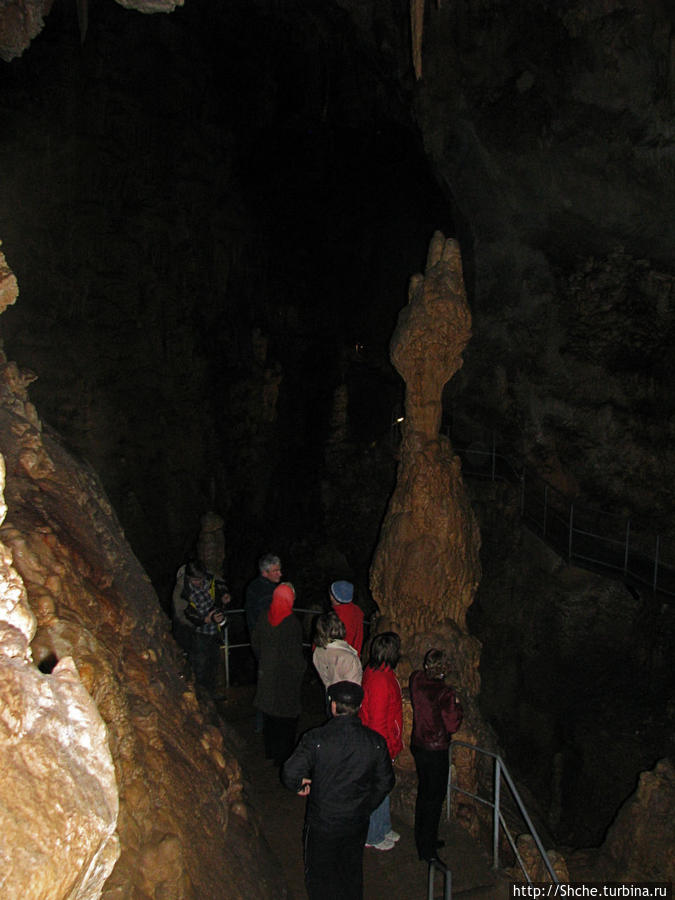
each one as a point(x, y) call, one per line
point(534, 865)
point(639, 844)
point(121, 721)
point(426, 567)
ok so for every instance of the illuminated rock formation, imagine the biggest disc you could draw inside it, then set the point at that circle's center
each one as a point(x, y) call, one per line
point(426, 568)
point(90, 680)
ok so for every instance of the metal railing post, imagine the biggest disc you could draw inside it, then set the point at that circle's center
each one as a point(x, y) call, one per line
point(449, 787)
point(545, 507)
point(226, 654)
point(522, 494)
point(501, 774)
point(494, 456)
point(569, 540)
point(495, 820)
point(656, 561)
point(447, 892)
point(625, 555)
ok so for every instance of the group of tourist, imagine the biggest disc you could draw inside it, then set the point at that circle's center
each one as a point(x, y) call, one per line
point(343, 767)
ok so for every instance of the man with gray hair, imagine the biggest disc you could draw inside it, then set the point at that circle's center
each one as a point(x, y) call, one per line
point(259, 591)
point(344, 770)
point(258, 598)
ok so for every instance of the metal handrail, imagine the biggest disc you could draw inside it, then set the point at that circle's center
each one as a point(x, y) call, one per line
point(227, 646)
point(500, 771)
point(447, 875)
point(555, 518)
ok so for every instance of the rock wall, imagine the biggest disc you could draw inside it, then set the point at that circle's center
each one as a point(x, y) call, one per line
point(549, 124)
point(110, 752)
point(575, 673)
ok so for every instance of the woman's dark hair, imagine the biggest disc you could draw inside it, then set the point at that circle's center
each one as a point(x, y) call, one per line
point(329, 627)
point(385, 650)
point(434, 661)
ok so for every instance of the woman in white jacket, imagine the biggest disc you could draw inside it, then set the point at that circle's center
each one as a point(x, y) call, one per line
point(334, 659)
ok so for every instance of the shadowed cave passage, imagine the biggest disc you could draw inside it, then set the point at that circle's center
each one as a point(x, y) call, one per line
point(206, 249)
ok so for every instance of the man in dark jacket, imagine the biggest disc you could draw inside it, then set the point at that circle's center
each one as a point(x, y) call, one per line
point(344, 770)
point(258, 598)
point(259, 591)
point(437, 714)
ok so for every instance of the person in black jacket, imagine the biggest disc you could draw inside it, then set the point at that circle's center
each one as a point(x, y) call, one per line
point(344, 770)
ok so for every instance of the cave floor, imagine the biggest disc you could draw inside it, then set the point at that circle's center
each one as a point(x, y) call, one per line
point(396, 874)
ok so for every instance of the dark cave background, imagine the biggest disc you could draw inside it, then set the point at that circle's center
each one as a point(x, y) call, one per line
point(213, 216)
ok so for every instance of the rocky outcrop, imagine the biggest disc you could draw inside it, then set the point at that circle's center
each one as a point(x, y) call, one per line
point(98, 713)
point(58, 793)
point(639, 844)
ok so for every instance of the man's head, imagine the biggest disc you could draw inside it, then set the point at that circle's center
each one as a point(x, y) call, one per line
point(341, 592)
point(347, 697)
point(270, 567)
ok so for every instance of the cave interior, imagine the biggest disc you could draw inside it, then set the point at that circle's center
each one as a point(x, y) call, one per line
point(213, 214)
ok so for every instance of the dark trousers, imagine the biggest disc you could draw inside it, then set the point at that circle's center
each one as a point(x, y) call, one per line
point(334, 863)
point(279, 737)
point(432, 776)
point(205, 659)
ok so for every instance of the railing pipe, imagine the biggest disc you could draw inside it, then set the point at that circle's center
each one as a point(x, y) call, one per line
point(226, 653)
point(625, 556)
point(495, 817)
point(531, 827)
point(447, 892)
point(501, 771)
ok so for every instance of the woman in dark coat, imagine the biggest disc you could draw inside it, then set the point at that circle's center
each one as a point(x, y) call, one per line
point(277, 642)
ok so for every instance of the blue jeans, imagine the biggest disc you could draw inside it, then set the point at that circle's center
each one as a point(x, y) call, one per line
point(380, 823)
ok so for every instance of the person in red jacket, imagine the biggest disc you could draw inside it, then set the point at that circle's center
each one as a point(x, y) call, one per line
point(341, 598)
point(382, 710)
point(437, 714)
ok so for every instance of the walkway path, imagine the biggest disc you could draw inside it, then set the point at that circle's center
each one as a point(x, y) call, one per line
point(394, 875)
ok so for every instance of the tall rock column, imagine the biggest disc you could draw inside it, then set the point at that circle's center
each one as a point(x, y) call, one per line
point(426, 568)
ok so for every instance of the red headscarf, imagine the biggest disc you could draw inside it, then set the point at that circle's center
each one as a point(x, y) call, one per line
point(282, 603)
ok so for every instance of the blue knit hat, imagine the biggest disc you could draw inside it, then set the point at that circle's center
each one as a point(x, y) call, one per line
point(343, 591)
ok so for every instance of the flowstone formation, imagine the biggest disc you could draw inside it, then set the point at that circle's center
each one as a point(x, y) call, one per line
point(106, 750)
point(426, 568)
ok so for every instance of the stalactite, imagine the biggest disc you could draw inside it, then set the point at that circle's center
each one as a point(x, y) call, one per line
point(416, 33)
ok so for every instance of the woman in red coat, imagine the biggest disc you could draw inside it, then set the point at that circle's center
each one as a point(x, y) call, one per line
point(382, 710)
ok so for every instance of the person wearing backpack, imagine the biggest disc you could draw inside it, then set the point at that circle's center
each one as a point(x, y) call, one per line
point(437, 714)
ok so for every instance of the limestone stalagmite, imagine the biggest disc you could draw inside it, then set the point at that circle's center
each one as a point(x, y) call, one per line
point(426, 567)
